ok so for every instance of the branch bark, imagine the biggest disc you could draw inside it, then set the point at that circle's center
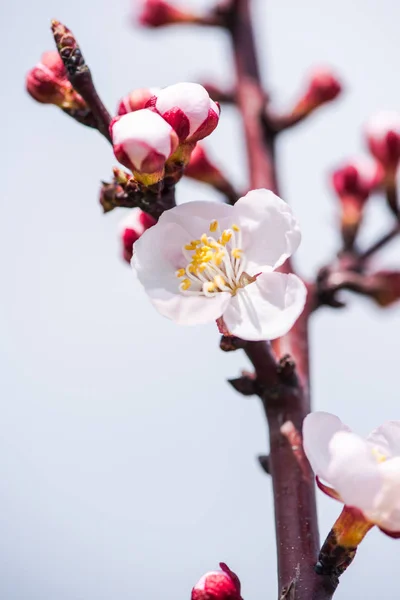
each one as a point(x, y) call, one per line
point(285, 405)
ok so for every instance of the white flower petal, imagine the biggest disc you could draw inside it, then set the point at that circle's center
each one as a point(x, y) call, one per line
point(267, 308)
point(386, 512)
point(158, 254)
point(318, 431)
point(270, 231)
point(387, 438)
point(189, 310)
point(195, 217)
point(354, 471)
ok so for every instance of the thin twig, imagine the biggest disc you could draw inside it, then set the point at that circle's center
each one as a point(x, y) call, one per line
point(378, 245)
point(80, 76)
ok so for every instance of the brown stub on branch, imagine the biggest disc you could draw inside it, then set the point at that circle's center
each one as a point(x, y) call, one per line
point(246, 385)
point(230, 343)
point(80, 76)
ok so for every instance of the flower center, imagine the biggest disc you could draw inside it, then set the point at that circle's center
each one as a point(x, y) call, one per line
point(378, 455)
point(215, 263)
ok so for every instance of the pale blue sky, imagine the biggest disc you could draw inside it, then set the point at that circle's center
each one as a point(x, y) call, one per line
point(127, 464)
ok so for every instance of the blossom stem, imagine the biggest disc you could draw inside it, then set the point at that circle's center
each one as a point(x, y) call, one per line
point(284, 402)
point(388, 237)
point(340, 547)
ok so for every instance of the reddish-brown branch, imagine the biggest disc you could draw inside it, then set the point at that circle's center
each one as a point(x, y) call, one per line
point(294, 490)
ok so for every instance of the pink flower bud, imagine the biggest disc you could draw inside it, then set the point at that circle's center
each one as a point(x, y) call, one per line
point(188, 108)
point(48, 83)
point(201, 168)
point(354, 182)
point(217, 585)
point(132, 227)
point(383, 136)
point(136, 100)
point(358, 177)
point(323, 87)
point(143, 141)
point(156, 13)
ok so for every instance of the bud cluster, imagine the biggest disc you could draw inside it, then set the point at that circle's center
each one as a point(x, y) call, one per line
point(156, 130)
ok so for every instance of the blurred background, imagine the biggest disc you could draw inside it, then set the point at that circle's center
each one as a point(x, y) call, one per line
point(127, 463)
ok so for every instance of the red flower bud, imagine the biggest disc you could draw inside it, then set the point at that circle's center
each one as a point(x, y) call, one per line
point(217, 585)
point(202, 169)
point(156, 13)
point(323, 87)
point(358, 177)
point(136, 100)
point(132, 227)
point(353, 183)
point(385, 287)
point(48, 83)
point(383, 137)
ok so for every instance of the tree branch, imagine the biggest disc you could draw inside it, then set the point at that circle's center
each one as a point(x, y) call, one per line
point(284, 403)
point(80, 76)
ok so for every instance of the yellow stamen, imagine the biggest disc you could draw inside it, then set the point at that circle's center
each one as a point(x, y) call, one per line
point(213, 226)
point(225, 237)
point(235, 228)
point(237, 253)
point(186, 283)
point(210, 287)
point(218, 258)
point(180, 273)
point(378, 455)
point(204, 239)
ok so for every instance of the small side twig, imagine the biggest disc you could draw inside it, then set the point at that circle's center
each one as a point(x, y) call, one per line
point(378, 245)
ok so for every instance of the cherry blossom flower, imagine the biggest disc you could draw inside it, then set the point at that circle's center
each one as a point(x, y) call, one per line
point(218, 585)
point(143, 141)
point(383, 137)
point(362, 473)
point(131, 228)
point(205, 260)
point(188, 108)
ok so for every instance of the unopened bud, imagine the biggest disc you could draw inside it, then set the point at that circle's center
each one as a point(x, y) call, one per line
point(202, 169)
point(188, 108)
point(385, 287)
point(218, 585)
point(131, 228)
point(136, 100)
point(142, 142)
point(157, 13)
point(358, 177)
point(323, 87)
point(48, 83)
point(383, 137)
point(354, 182)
